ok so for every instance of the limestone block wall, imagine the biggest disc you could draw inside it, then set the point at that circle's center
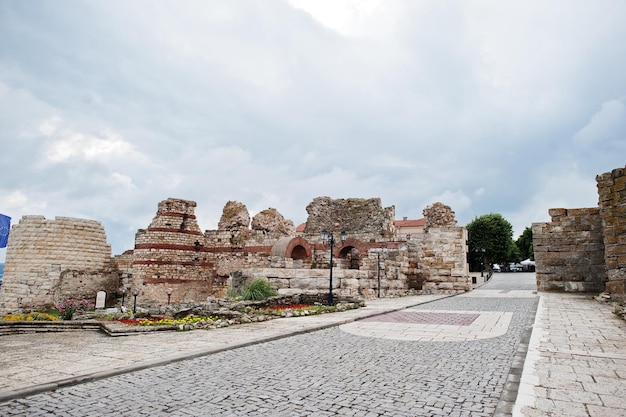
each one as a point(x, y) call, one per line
point(612, 204)
point(569, 251)
point(346, 282)
point(48, 261)
point(438, 260)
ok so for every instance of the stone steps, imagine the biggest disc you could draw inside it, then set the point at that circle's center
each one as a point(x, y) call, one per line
point(109, 328)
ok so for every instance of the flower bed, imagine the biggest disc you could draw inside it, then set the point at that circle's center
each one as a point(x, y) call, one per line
point(291, 307)
point(34, 316)
point(164, 321)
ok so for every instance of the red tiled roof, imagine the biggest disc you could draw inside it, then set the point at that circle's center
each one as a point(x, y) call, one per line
point(409, 223)
point(301, 227)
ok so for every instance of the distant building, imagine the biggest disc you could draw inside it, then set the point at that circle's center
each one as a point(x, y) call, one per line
point(406, 228)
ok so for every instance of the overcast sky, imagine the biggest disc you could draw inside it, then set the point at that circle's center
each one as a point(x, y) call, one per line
point(108, 107)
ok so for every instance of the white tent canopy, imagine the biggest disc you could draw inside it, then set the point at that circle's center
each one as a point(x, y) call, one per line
point(528, 262)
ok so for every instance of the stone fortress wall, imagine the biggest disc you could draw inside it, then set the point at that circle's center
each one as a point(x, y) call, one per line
point(612, 202)
point(558, 247)
point(585, 249)
point(52, 260)
point(49, 261)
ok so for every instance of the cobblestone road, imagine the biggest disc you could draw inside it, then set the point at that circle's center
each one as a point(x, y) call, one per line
point(324, 373)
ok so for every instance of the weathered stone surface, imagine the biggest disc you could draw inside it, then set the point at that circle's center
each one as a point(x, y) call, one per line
point(235, 215)
point(559, 247)
point(171, 253)
point(173, 260)
point(49, 261)
point(356, 216)
point(612, 203)
point(271, 221)
point(584, 249)
point(438, 215)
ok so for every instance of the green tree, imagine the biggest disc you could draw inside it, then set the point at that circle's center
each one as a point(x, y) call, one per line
point(494, 234)
point(525, 244)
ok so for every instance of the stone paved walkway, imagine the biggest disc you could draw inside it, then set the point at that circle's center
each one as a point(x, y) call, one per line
point(575, 363)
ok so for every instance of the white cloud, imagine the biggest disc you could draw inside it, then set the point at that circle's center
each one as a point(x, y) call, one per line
point(565, 187)
point(607, 125)
point(509, 108)
point(122, 181)
point(72, 146)
point(456, 200)
point(17, 202)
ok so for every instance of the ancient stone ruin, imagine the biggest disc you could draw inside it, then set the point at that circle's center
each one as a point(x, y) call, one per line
point(584, 249)
point(51, 260)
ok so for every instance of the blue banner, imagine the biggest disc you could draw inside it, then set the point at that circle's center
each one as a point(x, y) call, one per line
point(5, 227)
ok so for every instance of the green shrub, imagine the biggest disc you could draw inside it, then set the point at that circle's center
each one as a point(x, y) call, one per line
point(259, 289)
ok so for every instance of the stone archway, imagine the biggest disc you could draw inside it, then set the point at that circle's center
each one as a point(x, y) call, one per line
point(351, 252)
point(296, 248)
point(352, 256)
point(299, 253)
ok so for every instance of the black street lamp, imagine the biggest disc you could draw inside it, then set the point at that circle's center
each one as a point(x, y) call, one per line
point(169, 295)
point(482, 263)
point(378, 251)
point(329, 239)
point(135, 294)
point(123, 291)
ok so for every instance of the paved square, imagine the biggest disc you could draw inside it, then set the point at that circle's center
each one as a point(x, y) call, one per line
point(425, 317)
point(433, 325)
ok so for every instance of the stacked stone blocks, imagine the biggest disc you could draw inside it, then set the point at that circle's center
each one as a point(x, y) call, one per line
point(612, 202)
point(569, 251)
point(585, 249)
point(49, 261)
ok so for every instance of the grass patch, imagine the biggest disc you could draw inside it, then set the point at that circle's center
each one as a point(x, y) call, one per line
point(257, 290)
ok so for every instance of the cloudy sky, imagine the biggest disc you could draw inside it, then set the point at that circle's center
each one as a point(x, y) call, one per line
point(108, 107)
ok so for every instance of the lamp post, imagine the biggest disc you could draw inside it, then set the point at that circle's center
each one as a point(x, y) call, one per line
point(329, 239)
point(135, 294)
point(169, 295)
point(378, 251)
point(123, 291)
point(482, 263)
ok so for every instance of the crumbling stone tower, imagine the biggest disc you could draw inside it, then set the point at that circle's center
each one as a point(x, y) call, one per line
point(171, 253)
point(49, 261)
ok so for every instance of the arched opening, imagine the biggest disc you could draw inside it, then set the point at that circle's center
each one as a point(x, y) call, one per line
point(298, 253)
point(294, 248)
point(352, 256)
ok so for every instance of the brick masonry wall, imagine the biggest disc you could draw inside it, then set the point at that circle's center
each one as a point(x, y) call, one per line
point(569, 251)
point(171, 253)
point(612, 204)
point(50, 260)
